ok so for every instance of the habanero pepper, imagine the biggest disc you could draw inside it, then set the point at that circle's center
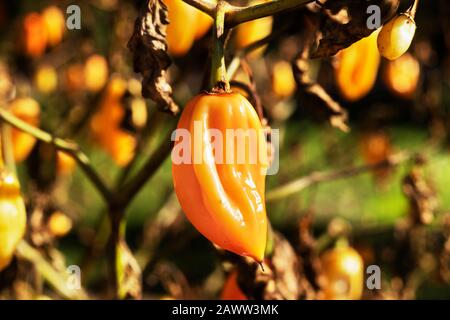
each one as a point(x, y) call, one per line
point(12, 217)
point(224, 200)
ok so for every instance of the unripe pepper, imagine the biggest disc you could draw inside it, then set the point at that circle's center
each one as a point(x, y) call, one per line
point(357, 68)
point(344, 275)
point(12, 216)
point(396, 36)
point(224, 199)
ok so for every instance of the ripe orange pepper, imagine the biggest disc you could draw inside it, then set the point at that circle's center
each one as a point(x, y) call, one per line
point(357, 68)
point(55, 24)
point(283, 82)
point(105, 124)
point(186, 25)
point(231, 290)
point(252, 31)
point(224, 200)
point(401, 76)
point(12, 216)
point(343, 270)
point(28, 110)
point(34, 35)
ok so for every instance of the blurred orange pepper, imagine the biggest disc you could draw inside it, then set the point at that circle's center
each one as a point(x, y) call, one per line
point(12, 216)
point(34, 35)
point(28, 110)
point(231, 290)
point(65, 164)
point(252, 31)
point(55, 24)
point(186, 25)
point(343, 270)
point(95, 72)
point(357, 68)
point(283, 82)
point(105, 124)
point(59, 224)
point(224, 200)
point(401, 76)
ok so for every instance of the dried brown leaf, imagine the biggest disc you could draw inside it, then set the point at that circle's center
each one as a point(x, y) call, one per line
point(150, 58)
point(345, 22)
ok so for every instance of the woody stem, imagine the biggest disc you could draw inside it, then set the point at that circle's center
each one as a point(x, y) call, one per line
point(219, 79)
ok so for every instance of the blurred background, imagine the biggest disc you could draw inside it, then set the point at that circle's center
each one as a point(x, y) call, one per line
point(80, 85)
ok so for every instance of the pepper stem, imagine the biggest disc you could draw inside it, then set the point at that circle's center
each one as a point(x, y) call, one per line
point(219, 80)
point(413, 9)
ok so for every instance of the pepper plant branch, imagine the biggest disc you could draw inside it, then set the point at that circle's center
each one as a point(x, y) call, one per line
point(236, 15)
point(57, 280)
point(70, 148)
point(317, 177)
point(134, 185)
point(219, 79)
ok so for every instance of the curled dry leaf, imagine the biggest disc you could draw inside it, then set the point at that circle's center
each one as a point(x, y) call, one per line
point(128, 273)
point(345, 22)
point(150, 58)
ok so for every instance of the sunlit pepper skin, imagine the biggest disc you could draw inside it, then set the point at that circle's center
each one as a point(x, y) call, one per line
point(186, 24)
point(12, 217)
point(343, 269)
point(357, 68)
point(224, 201)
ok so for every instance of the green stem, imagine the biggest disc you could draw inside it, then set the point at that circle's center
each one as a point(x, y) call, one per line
point(219, 79)
point(237, 15)
point(55, 279)
point(70, 148)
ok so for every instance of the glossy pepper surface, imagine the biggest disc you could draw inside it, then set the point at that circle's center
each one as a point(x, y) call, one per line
point(343, 269)
point(224, 199)
point(12, 216)
point(357, 68)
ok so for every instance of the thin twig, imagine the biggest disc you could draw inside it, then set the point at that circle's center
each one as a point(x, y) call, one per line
point(237, 15)
point(207, 6)
point(70, 148)
point(317, 177)
point(57, 280)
